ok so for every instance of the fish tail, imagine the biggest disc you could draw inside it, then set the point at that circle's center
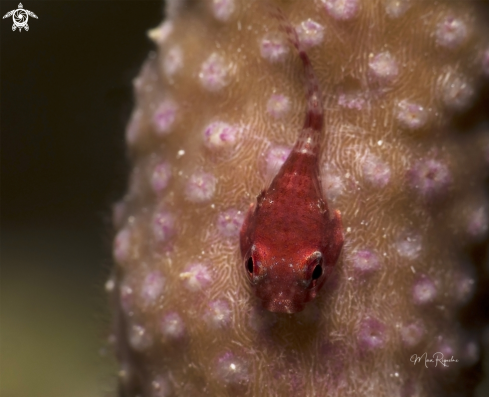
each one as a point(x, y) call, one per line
point(285, 25)
point(314, 114)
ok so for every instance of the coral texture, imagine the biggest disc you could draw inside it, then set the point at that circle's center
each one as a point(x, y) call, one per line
point(218, 108)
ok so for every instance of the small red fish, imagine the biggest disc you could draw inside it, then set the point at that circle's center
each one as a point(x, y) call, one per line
point(289, 242)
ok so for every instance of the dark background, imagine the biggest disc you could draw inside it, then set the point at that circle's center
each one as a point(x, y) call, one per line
point(66, 96)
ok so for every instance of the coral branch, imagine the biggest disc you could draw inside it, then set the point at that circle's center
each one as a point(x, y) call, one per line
point(217, 112)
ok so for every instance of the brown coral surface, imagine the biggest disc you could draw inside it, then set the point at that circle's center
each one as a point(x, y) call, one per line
point(218, 108)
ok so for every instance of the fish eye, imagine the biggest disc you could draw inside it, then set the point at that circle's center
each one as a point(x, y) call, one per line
point(249, 266)
point(317, 272)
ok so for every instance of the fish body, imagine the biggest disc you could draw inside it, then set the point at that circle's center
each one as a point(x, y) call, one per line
point(289, 240)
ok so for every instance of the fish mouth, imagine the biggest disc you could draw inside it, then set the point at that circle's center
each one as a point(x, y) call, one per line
point(283, 306)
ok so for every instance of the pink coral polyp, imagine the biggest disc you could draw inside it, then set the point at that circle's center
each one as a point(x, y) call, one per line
point(220, 135)
point(229, 222)
point(163, 225)
point(214, 73)
point(122, 245)
point(172, 326)
point(278, 105)
point(376, 171)
point(341, 9)
point(152, 287)
point(365, 261)
point(139, 338)
point(196, 277)
point(275, 157)
point(310, 33)
point(383, 66)
point(412, 334)
point(451, 32)
point(429, 177)
point(424, 290)
point(200, 187)
point(164, 117)
point(411, 115)
point(372, 335)
point(223, 9)
point(273, 48)
point(232, 370)
point(160, 176)
point(218, 314)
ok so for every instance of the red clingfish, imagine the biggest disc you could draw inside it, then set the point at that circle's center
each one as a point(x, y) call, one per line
point(289, 242)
